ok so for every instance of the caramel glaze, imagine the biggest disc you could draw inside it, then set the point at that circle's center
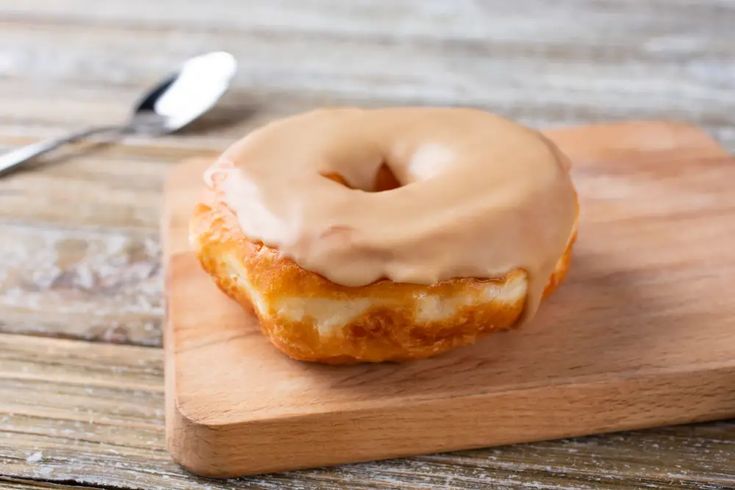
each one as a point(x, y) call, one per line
point(479, 196)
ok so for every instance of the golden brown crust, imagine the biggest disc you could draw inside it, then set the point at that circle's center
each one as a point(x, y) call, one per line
point(389, 330)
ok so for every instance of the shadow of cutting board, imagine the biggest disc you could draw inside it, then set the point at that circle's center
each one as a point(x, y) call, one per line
point(642, 333)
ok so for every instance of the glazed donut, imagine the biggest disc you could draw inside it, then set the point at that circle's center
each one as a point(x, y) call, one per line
point(388, 234)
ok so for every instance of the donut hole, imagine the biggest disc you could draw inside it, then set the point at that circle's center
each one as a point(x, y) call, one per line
point(384, 180)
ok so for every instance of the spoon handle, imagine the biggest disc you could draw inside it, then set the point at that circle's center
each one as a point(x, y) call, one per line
point(15, 158)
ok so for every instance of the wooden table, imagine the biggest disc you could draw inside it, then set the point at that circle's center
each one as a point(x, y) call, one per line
point(81, 374)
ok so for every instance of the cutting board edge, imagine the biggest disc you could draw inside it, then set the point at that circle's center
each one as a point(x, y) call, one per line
point(213, 458)
point(654, 394)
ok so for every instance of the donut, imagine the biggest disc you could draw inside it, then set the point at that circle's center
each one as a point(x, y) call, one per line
point(389, 234)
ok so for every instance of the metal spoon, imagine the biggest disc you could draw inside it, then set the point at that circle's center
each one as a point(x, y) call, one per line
point(169, 106)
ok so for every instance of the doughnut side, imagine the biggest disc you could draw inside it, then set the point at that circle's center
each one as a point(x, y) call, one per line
point(313, 319)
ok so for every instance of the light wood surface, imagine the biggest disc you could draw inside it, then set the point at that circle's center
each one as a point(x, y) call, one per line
point(637, 337)
point(79, 249)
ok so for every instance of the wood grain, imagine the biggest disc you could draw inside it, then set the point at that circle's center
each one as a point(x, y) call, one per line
point(94, 415)
point(80, 283)
point(623, 345)
point(619, 60)
point(70, 63)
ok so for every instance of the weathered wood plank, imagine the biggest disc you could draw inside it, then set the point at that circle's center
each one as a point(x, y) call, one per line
point(651, 62)
point(463, 19)
point(88, 188)
point(93, 414)
point(94, 285)
point(25, 484)
point(434, 73)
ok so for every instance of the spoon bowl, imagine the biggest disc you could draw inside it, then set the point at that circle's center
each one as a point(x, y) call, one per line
point(170, 105)
point(186, 95)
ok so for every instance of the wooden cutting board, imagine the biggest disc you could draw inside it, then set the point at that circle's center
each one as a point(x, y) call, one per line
point(642, 333)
